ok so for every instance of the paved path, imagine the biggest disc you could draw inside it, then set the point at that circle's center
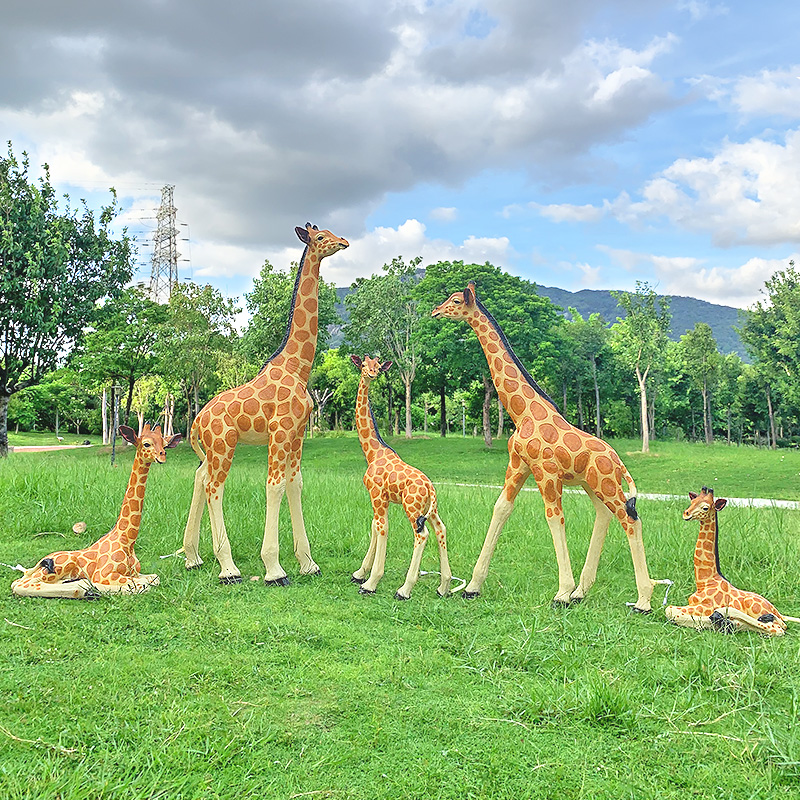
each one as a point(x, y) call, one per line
point(747, 502)
point(39, 448)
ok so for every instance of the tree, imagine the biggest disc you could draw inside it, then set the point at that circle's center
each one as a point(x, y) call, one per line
point(383, 321)
point(701, 361)
point(591, 340)
point(54, 268)
point(771, 333)
point(640, 337)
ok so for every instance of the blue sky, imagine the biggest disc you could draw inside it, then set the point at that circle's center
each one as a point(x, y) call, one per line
point(581, 144)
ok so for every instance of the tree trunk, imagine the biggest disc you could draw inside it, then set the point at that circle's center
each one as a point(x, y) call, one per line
point(442, 411)
point(580, 405)
point(597, 428)
point(500, 418)
point(774, 444)
point(564, 407)
point(488, 386)
point(707, 429)
point(104, 407)
point(643, 407)
point(425, 416)
point(407, 382)
point(57, 421)
point(3, 425)
point(196, 393)
point(729, 424)
point(129, 401)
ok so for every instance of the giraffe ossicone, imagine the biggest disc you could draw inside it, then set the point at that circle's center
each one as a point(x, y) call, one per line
point(109, 566)
point(717, 603)
point(558, 454)
point(272, 409)
point(389, 479)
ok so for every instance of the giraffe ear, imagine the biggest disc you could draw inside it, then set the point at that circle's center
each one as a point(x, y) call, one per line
point(302, 234)
point(720, 503)
point(692, 495)
point(174, 440)
point(469, 294)
point(128, 434)
point(385, 366)
point(357, 361)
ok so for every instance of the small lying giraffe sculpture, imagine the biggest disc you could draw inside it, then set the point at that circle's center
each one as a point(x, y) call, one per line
point(389, 479)
point(558, 454)
point(717, 603)
point(109, 565)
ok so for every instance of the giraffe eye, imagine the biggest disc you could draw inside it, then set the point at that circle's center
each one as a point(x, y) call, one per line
point(705, 508)
point(457, 302)
point(147, 444)
point(320, 238)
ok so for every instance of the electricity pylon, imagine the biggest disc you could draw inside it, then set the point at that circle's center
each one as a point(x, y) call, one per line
point(164, 268)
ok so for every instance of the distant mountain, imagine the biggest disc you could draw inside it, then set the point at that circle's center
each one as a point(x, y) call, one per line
point(686, 312)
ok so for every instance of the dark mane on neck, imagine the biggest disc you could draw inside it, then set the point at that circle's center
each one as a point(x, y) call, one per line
point(291, 310)
point(716, 544)
point(525, 374)
point(375, 427)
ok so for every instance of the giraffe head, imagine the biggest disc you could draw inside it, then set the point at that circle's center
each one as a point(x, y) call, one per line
point(703, 506)
point(370, 367)
point(459, 305)
point(150, 446)
point(323, 243)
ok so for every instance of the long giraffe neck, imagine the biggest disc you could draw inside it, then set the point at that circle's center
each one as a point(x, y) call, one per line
point(507, 371)
point(706, 552)
point(368, 436)
point(130, 517)
point(296, 352)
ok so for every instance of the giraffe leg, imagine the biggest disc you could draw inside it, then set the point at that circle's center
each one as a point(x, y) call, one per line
point(229, 572)
point(775, 627)
point(274, 572)
point(360, 575)
point(381, 523)
point(551, 489)
point(516, 475)
point(420, 539)
point(302, 549)
point(644, 585)
point(445, 572)
point(191, 535)
point(689, 617)
point(602, 520)
point(73, 589)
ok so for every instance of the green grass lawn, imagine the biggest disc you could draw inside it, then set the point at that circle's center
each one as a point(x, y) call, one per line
point(201, 690)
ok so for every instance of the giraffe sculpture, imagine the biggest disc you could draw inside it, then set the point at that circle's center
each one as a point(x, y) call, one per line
point(558, 454)
point(109, 565)
point(717, 603)
point(389, 479)
point(271, 409)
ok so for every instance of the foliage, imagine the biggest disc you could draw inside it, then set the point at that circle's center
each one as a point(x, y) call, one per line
point(54, 267)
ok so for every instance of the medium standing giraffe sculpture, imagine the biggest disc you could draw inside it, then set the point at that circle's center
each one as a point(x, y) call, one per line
point(558, 454)
point(389, 479)
point(109, 565)
point(717, 603)
point(271, 409)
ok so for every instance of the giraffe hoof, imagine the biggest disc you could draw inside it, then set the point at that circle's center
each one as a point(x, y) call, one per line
point(398, 596)
point(362, 590)
point(227, 580)
point(284, 581)
point(560, 604)
point(637, 610)
point(721, 623)
point(359, 581)
point(470, 595)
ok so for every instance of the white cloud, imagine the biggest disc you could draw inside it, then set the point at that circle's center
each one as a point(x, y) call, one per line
point(444, 214)
point(701, 9)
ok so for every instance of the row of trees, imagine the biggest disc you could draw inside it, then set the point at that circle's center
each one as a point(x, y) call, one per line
point(76, 343)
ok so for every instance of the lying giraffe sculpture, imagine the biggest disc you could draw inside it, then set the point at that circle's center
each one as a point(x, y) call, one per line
point(389, 479)
point(717, 603)
point(271, 409)
point(558, 454)
point(109, 565)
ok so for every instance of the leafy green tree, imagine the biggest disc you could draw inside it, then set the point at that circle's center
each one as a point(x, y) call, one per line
point(701, 361)
point(591, 342)
point(640, 337)
point(730, 369)
point(771, 333)
point(54, 267)
point(452, 356)
point(335, 375)
point(123, 346)
point(383, 321)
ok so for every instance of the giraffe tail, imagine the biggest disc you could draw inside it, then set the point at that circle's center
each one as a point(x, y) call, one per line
point(630, 504)
point(789, 619)
point(195, 442)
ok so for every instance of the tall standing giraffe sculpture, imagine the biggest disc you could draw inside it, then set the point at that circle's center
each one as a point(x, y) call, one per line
point(389, 479)
point(717, 603)
point(271, 409)
point(558, 454)
point(110, 564)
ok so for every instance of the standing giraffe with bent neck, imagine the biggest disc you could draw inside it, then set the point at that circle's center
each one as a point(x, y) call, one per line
point(717, 603)
point(109, 565)
point(558, 454)
point(272, 409)
point(389, 479)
